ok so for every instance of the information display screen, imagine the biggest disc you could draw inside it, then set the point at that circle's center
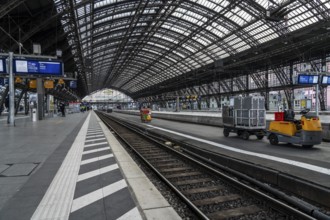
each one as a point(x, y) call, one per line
point(325, 80)
point(38, 67)
point(3, 66)
point(308, 79)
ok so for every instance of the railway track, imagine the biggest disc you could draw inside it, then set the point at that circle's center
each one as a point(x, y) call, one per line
point(210, 193)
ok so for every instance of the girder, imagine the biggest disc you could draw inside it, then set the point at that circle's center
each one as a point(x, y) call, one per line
point(145, 48)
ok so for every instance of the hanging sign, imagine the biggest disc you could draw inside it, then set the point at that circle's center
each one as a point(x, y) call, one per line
point(18, 80)
point(33, 84)
point(73, 84)
point(3, 66)
point(60, 81)
point(49, 84)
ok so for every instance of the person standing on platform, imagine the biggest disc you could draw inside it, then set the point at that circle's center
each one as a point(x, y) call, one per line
point(62, 107)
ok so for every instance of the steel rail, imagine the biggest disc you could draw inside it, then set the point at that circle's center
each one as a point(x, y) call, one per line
point(184, 198)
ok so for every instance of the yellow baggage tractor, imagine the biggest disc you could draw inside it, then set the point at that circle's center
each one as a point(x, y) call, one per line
point(306, 132)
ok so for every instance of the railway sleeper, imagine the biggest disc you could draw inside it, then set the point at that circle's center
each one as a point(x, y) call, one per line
point(155, 156)
point(203, 190)
point(178, 175)
point(142, 147)
point(233, 213)
point(151, 150)
point(164, 160)
point(169, 164)
point(192, 181)
point(216, 200)
point(177, 169)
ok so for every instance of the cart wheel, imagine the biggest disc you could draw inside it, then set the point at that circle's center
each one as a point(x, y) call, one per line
point(246, 135)
point(225, 132)
point(307, 146)
point(260, 137)
point(273, 140)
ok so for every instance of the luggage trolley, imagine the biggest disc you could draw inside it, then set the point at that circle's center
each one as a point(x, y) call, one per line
point(247, 116)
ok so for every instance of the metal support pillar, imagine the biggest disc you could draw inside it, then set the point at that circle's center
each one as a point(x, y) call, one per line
point(26, 103)
point(177, 104)
point(267, 90)
point(291, 102)
point(11, 116)
point(40, 94)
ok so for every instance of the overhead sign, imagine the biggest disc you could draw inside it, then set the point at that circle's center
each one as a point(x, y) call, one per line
point(325, 80)
point(308, 79)
point(73, 84)
point(37, 67)
point(3, 66)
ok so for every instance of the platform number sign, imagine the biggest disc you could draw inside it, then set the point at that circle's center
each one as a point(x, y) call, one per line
point(73, 84)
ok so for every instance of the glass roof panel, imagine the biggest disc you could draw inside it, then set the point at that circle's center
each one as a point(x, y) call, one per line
point(174, 41)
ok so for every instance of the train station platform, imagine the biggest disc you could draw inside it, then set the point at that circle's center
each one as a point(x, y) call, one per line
point(72, 168)
point(215, 118)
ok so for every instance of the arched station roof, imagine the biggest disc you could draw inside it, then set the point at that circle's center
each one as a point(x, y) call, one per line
point(141, 46)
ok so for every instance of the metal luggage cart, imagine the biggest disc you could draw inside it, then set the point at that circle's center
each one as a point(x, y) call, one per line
point(246, 117)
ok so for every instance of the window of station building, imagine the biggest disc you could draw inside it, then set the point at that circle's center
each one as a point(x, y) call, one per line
point(296, 103)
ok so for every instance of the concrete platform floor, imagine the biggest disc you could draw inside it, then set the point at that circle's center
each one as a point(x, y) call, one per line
point(72, 168)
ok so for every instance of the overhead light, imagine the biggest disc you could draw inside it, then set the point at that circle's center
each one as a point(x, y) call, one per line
point(37, 49)
point(59, 53)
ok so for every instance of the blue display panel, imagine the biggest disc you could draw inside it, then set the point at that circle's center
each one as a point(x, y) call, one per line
point(3, 66)
point(308, 79)
point(325, 80)
point(38, 67)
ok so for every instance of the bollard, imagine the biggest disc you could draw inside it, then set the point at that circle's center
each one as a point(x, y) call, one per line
point(34, 114)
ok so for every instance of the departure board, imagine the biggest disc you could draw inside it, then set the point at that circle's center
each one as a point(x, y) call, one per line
point(38, 67)
point(308, 79)
point(325, 80)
